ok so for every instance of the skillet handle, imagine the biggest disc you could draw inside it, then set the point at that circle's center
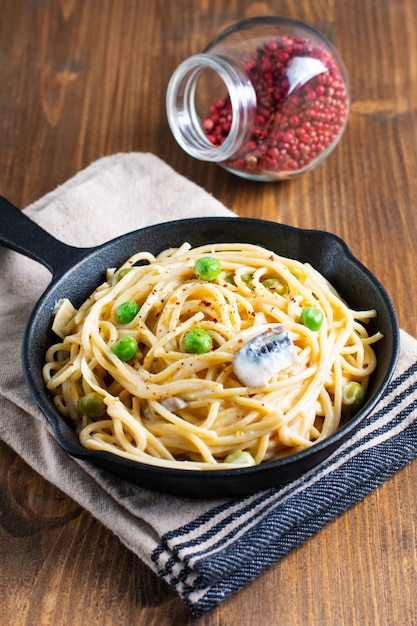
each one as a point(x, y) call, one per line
point(18, 232)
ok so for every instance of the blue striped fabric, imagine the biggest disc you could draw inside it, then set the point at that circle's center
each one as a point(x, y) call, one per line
point(227, 547)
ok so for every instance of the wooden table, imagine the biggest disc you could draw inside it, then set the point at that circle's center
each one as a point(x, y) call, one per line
point(80, 79)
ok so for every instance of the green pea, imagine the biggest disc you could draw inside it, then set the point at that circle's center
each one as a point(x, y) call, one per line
point(198, 341)
point(312, 317)
point(241, 457)
point(123, 272)
point(126, 311)
point(207, 268)
point(353, 395)
point(92, 405)
point(276, 285)
point(125, 348)
point(247, 279)
point(230, 278)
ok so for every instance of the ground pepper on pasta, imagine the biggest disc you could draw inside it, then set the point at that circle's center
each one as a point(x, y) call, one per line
point(147, 368)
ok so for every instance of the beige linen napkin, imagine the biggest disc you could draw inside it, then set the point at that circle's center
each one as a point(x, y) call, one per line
point(206, 550)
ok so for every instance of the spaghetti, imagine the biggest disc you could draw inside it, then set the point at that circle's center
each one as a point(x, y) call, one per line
point(135, 382)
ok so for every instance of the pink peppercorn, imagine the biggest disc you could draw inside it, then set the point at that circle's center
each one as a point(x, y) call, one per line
point(284, 106)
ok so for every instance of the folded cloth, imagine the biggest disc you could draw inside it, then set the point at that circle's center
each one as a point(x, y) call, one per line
point(206, 550)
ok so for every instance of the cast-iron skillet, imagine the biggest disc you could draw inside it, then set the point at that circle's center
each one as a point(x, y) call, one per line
point(76, 272)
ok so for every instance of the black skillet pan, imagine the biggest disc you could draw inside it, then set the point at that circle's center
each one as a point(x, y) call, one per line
point(77, 271)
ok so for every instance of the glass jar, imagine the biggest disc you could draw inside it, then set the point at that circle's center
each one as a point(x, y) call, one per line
point(268, 99)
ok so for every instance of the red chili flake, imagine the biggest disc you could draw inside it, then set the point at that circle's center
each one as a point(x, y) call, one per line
point(205, 302)
point(240, 340)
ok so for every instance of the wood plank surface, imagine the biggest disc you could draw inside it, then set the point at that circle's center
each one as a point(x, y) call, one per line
point(80, 79)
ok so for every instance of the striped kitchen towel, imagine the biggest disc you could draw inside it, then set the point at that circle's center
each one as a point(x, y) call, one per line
point(206, 550)
point(222, 550)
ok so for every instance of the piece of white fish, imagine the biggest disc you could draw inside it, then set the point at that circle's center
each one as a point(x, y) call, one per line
point(263, 356)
